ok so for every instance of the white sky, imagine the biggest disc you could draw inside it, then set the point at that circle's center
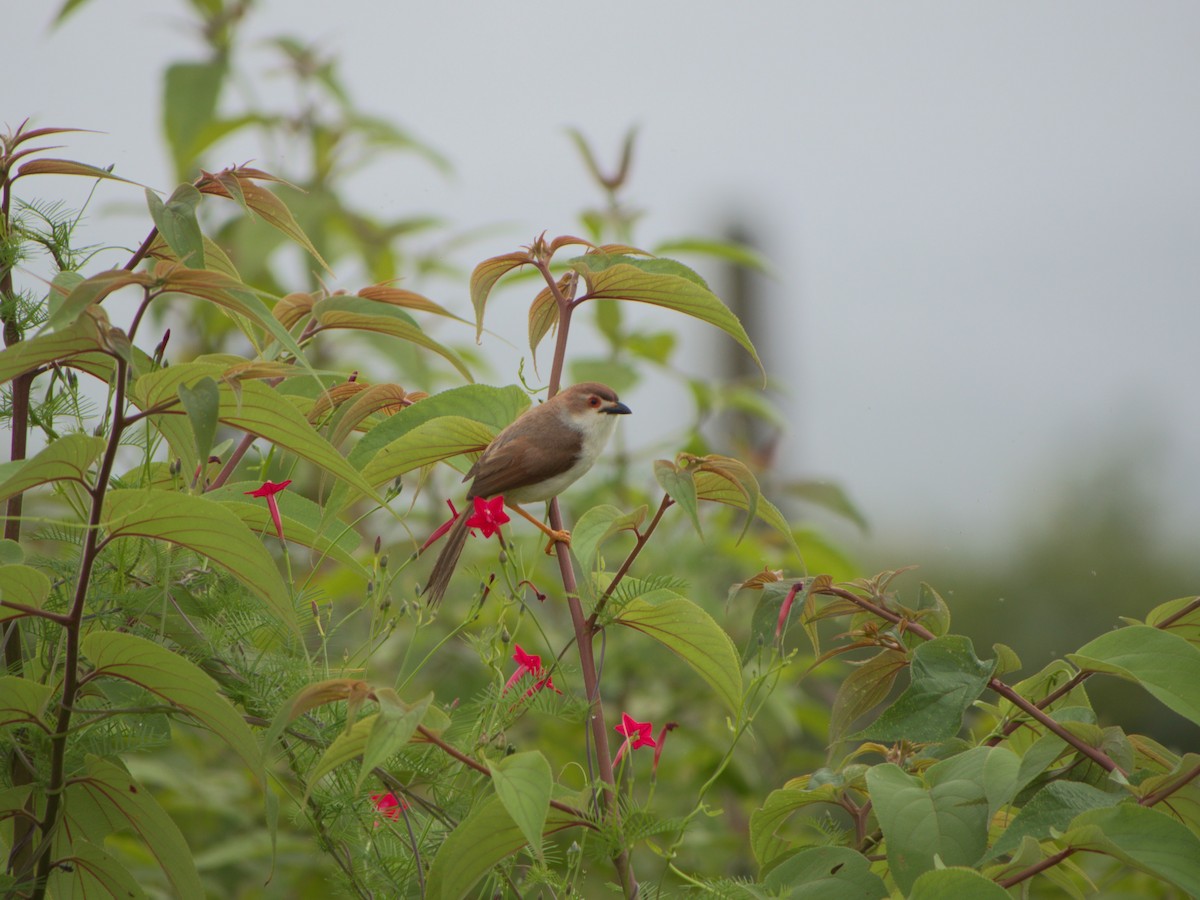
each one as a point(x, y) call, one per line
point(986, 218)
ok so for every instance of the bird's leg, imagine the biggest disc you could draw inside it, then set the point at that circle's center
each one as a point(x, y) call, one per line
point(563, 536)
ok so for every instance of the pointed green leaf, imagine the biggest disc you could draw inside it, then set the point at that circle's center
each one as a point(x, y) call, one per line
point(692, 634)
point(947, 677)
point(718, 489)
point(729, 251)
point(948, 821)
point(22, 700)
point(481, 840)
point(204, 527)
point(46, 166)
point(765, 822)
point(864, 689)
point(429, 442)
point(484, 278)
point(89, 291)
point(1143, 838)
point(67, 459)
point(1052, 809)
point(21, 584)
point(393, 728)
point(523, 783)
point(275, 213)
point(495, 407)
point(660, 282)
point(381, 318)
point(596, 526)
point(203, 404)
point(176, 222)
point(823, 873)
point(107, 801)
point(681, 487)
point(831, 496)
point(176, 680)
point(80, 336)
point(1165, 664)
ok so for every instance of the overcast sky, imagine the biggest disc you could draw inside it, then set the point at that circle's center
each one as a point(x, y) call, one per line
point(985, 218)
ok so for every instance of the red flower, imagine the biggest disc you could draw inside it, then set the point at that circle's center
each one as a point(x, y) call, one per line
point(787, 607)
point(526, 662)
point(443, 528)
point(489, 516)
point(637, 734)
point(547, 682)
point(269, 489)
point(388, 805)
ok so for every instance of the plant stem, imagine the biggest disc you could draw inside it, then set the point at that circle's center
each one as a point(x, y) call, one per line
point(91, 551)
point(584, 630)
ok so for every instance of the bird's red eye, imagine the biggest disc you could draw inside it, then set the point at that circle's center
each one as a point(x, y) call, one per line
point(593, 402)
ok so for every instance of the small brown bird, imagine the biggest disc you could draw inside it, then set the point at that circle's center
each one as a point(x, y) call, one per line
point(537, 457)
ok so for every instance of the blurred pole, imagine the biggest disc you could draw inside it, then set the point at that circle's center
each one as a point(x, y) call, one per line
point(749, 435)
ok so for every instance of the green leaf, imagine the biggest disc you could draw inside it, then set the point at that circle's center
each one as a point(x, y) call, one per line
point(86, 292)
point(259, 410)
point(176, 680)
point(22, 584)
point(204, 527)
point(779, 806)
point(864, 689)
point(660, 282)
point(995, 768)
point(22, 700)
point(728, 251)
point(829, 496)
point(523, 783)
point(108, 800)
point(91, 872)
point(430, 442)
point(362, 314)
point(693, 635)
point(1182, 616)
point(956, 884)
point(189, 104)
point(825, 873)
point(81, 336)
point(176, 222)
point(67, 459)
point(681, 487)
point(719, 489)
point(485, 837)
point(1143, 838)
point(621, 376)
point(493, 406)
point(484, 278)
point(301, 522)
point(203, 404)
point(948, 820)
point(596, 526)
point(947, 678)
point(393, 728)
point(1165, 664)
point(1052, 809)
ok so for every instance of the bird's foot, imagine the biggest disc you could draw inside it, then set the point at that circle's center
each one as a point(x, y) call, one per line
point(557, 537)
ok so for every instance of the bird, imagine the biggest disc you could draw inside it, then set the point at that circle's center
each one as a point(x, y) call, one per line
point(542, 453)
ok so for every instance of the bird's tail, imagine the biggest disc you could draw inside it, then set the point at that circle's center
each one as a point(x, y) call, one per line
point(443, 568)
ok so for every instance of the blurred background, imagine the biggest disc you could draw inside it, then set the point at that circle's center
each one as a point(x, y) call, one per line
point(980, 314)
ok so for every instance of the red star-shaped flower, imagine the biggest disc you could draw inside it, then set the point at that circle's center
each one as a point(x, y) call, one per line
point(269, 489)
point(637, 734)
point(388, 805)
point(489, 515)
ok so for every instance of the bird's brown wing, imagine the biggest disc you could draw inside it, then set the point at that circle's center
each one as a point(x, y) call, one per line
point(513, 461)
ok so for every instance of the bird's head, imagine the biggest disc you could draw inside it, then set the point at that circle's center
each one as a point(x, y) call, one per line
point(591, 406)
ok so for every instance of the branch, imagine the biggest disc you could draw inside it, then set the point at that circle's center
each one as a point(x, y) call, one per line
point(666, 504)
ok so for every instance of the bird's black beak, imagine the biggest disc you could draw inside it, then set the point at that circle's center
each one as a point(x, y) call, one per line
point(617, 409)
